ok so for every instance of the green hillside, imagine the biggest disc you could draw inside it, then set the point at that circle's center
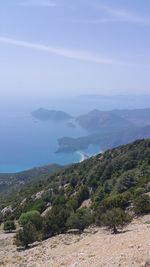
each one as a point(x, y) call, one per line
point(107, 190)
point(112, 179)
point(15, 181)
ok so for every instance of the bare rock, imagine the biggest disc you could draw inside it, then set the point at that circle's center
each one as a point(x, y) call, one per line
point(6, 211)
point(86, 203)
point(46, 211)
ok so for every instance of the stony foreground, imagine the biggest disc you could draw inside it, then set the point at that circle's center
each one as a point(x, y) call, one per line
point(96, 248)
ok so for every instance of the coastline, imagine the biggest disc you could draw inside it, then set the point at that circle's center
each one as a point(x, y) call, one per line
point(82, 155)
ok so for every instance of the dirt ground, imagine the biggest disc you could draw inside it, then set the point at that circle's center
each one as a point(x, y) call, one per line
point(95, 248)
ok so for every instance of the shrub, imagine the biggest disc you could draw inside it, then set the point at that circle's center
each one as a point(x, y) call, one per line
point(80, 220)
point(38, 205)
point(82, 194)
point(115, 218)
point(99, 194)
point(55, 221)
point(138, 191)
point(126, 181)
point(142, 204)
point(27, 235)
point(9, 226)
point(72, 203)
point(50, 226)
point(31, 216)
point(114, 201)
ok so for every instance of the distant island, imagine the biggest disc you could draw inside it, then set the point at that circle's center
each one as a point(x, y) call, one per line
point(98, 121)
point(108, 129)
point(105, 129)
point(50, 115)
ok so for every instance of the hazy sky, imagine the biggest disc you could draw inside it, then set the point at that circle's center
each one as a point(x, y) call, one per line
point(74, 47)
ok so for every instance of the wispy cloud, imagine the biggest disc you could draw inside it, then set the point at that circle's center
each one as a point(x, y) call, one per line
point(110, 14)
point(124, 15)
point(67, 53)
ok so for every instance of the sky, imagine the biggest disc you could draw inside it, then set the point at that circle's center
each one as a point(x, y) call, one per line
point(73, 47)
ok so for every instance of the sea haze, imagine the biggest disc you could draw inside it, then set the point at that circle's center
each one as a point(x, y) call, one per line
point(26, 143)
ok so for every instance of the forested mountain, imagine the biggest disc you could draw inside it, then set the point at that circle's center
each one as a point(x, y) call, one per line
point(116, 176)
point(102, 121)
point(104, 140)
point(114, 120)
point(9, 181)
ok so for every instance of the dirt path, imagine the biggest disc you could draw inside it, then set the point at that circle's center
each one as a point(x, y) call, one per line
point(128, 249)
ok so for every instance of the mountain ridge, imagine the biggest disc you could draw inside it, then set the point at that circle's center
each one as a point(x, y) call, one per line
point(11, 181)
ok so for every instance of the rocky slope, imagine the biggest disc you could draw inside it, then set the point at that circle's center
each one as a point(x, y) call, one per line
point(94, 248)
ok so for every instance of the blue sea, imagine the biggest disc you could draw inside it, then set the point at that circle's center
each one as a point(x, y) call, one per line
point(26, 143)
